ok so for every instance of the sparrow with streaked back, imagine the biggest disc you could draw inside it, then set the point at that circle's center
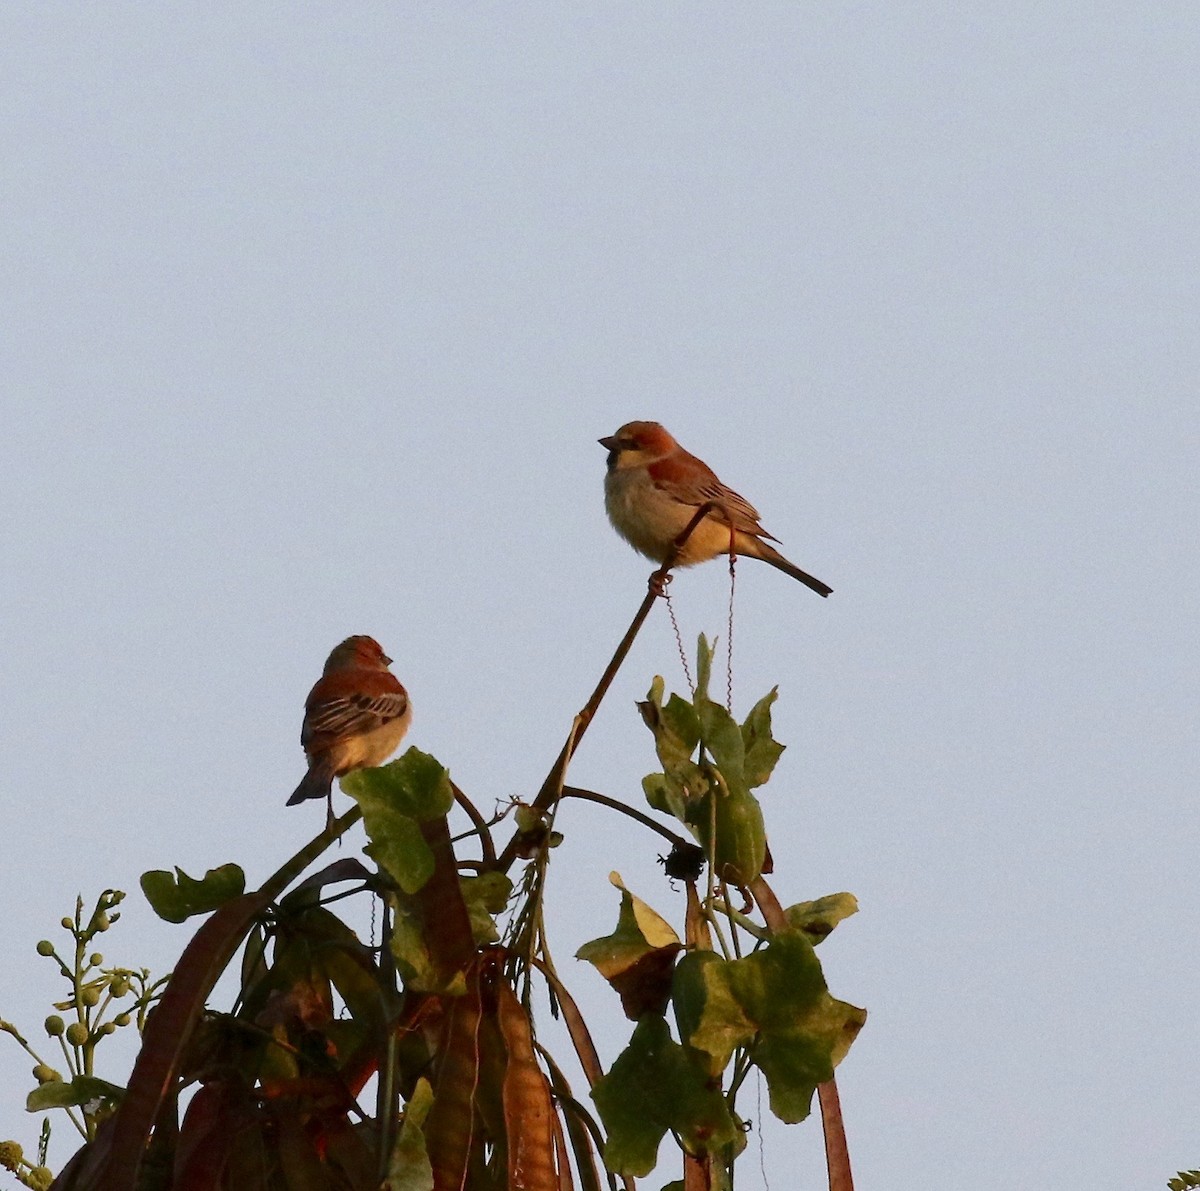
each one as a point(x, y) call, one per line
point(354, 718)
point(653, 489)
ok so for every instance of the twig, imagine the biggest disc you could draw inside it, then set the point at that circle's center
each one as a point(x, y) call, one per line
point(645, 820)
point(837, 1153)
point(549, 790)
point(481, 826)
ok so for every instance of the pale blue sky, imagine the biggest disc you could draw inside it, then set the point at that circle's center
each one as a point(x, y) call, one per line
point(311, 318)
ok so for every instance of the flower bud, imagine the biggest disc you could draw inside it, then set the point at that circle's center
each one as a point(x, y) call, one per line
point(95, 959)
point(10, 1154)
point(122, 1019)
point(54, 1025)
point(68, 924)
point(107, 1028)
point(120, 986)
point(90, 996)
point(44, 1074)
point(77, 1033)
point(45, 947)
point(101, 922)
point(40, 1178)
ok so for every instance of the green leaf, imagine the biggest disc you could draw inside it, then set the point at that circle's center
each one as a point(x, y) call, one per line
point(485, 896)
point(740, 844)
point(707, 1014)
point(653, 1087)
point(83, 1089)
point(665, 794)
point(817, 918)
point(416, 785)
point(721, 735)
point(803, 1031)
point(409, 1168)
point(176, 898)
point(413, 961)
point(398, 847)
point(762, 750)
point(394, 799)
point(674, 724)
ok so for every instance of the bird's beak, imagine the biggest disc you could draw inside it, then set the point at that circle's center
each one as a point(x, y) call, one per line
point(387, 661)
point(609, 442)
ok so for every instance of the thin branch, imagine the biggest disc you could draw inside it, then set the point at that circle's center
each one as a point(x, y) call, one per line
point(837, 1153)
point(658, 579)
point(481, 826)
point(614, 804)
point(581, 1038)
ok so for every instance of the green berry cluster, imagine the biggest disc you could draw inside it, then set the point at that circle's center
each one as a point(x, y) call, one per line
point(89, 1012)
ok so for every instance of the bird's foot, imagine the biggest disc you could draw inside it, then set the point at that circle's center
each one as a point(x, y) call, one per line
point(658, 583)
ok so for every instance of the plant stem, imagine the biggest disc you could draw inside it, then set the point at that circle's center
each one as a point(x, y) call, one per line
point(481, 826)
point(549, 790)
point(614, 804)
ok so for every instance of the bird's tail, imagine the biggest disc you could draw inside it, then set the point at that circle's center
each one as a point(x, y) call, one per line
point(317, 783)
point(770, 554)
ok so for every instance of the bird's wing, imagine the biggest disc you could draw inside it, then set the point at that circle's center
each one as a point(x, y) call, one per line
point(357, 703)
point(692, 482)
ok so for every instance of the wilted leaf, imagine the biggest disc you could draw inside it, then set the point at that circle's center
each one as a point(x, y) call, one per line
point(817, 918)
point(637, 958)
point(176, 898)
point(652, 1087)
point(639, 929)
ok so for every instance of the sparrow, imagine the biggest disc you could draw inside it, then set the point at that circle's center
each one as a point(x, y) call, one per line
point(654, 487)
point(355, 717)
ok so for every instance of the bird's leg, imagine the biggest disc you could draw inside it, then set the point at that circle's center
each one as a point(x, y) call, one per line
point(661, 577)
point(329, 809)
point(658, 582)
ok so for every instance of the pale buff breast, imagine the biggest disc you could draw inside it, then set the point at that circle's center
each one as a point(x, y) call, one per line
point(370, 748)
point(650, 521)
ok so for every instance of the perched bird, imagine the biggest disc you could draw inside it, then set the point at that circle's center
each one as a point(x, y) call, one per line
point(654, 488)
point(354, 717)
